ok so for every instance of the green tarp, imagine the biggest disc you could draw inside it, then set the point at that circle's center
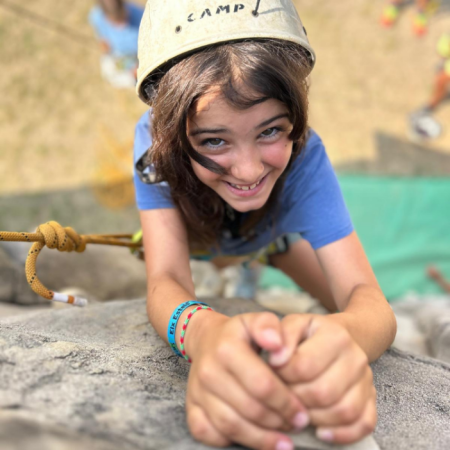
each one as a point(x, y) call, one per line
point(404, 225)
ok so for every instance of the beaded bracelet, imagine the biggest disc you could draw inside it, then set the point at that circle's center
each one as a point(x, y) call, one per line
point(171, 329)
point(183, 331)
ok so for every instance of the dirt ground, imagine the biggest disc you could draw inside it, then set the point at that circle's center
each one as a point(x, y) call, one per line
point(62, 126)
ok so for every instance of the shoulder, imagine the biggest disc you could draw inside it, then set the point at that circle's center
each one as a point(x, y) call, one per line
point(143, 135)
point(312, 152)
point(312, 158)
point(312, 201)
point(144, 121)
point(150, 194)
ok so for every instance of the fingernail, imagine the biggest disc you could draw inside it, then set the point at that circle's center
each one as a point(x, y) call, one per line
point(279, 357)
point(284, 445)
point(325, 435)
point(272, 337)
point(301, 420)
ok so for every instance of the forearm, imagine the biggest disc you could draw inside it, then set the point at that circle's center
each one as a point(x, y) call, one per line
point(369, 319)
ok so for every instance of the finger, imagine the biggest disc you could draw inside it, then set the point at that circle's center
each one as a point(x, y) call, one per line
point(295, 330)
point(237, 429)
point(224, 386)
point(202, 430)
point(259, 380)
point(315, 354)
point(349, 409)
point(265, 330)
point(324, 391)
point(354, 432)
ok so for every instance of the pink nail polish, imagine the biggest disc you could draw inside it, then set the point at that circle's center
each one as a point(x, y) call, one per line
point(278, 358)
point(272, 337)
point(284, 445)
point(325, 435)
point(301, 421)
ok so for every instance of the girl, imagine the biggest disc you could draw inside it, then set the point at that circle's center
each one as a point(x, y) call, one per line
point(226, 166)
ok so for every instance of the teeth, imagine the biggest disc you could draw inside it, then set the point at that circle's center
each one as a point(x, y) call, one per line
point(245, 188)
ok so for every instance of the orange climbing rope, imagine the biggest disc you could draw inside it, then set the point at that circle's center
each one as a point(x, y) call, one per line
point(53, 235)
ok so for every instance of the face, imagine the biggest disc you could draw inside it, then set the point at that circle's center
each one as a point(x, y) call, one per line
point(252, 145)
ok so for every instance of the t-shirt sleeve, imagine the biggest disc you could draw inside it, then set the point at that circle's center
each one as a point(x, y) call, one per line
point(313, 204)
point(149, 195)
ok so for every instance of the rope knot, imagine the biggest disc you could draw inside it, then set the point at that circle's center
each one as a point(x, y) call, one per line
point(64, 239)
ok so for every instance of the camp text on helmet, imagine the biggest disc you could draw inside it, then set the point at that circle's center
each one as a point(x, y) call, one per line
point(234, 8)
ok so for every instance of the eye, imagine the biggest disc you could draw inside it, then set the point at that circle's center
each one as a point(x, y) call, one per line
point(270, 132)
point(213, 142)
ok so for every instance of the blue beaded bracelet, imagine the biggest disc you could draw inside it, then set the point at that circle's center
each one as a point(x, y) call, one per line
point(174, 321)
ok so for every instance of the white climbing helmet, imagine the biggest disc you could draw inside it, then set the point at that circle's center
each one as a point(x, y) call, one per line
point(171, 28)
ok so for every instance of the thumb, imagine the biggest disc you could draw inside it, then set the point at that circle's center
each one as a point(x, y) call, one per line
point(295, 329)
point(264, 330)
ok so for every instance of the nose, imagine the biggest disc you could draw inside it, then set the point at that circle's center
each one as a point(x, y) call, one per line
point(247, 166)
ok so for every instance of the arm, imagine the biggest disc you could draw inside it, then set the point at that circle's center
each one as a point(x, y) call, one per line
point(169, 281)
point(328, 355)
point(365, 313)
point(224, 404)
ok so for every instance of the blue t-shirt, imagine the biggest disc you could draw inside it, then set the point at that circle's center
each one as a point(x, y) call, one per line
point(311, 202)
point(122, 39)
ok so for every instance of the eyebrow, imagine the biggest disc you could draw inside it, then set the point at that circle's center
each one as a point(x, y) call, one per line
point(198, 131)
point(268, 121)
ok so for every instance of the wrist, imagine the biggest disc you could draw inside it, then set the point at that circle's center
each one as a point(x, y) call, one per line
point(372, 337)
point(342, 318)
point(199, 327)
point(351, 322)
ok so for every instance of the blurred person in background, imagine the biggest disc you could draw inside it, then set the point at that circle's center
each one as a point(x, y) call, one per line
point(423, 125)
point(116, 24)
point(393, 8)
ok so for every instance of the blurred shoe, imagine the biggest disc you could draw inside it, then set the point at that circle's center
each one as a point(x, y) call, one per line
point(420, 23)
point(423, 126)
point(390, 15)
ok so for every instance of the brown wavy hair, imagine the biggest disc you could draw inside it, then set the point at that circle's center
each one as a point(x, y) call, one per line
point(246, 73)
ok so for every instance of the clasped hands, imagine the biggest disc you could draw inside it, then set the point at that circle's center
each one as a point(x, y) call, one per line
point(315, 374)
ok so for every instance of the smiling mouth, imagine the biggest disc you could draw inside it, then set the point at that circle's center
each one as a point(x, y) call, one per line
point(247, 187)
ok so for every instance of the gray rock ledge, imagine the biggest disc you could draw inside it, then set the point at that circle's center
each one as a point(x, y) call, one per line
point(100, 378)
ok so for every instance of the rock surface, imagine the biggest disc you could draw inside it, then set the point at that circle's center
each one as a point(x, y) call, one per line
point(102, 272)
point(100, 378)
point(13, 284)
point(423, 325)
